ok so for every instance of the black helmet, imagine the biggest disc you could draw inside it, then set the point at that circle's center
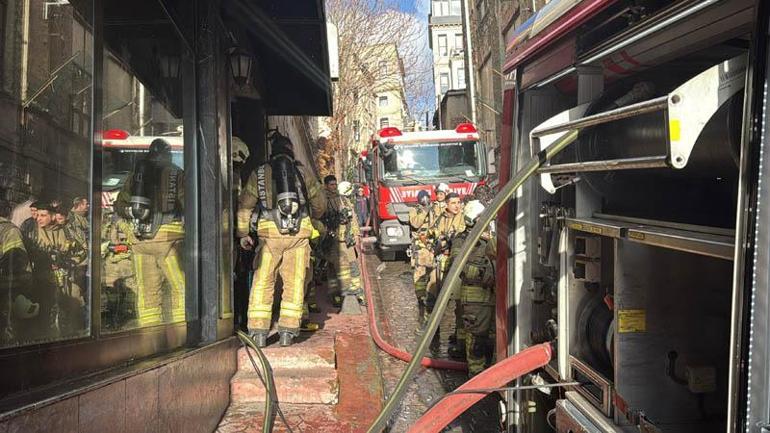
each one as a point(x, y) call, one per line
point(281, 145)
point(423, 197)
point(160, 150)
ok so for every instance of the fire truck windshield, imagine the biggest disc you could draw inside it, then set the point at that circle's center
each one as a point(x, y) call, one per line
point(459, 160)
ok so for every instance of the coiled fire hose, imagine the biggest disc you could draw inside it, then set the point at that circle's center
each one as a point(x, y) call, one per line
point(384, 345)
point(453, 276)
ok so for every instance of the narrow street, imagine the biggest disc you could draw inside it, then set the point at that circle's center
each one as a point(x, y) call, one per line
point(396, 309)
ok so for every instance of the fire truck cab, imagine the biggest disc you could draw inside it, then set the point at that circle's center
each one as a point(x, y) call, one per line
point(404, 163)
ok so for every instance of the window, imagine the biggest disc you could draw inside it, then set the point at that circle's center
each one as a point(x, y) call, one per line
point(356, 130)
point(384, 122)
point(442, 45)
point(441, 8)
point(461, 77)
point(456, 8)
point(444, 82)
point(45, 169)
point(383, 65)
point(143, 167)
point(383, 101)
point(459, 42)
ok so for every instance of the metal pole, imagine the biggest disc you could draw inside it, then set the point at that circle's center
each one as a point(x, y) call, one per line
point(652, 105)
point(606, 165)
point(468, 59)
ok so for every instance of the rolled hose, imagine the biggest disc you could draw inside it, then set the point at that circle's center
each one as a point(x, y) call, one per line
point(384, 345)
point(452, 406)
point(453, 276)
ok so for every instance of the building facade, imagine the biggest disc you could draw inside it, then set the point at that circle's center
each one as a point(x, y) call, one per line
point(112, 306)
point(446, 41)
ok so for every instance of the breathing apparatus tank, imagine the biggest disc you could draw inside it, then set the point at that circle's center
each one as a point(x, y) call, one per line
point(287, 197)
point(144, 185)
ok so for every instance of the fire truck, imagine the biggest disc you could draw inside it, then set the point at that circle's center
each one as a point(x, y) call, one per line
point(401, 164)
point(641, 250)
point(121, 151)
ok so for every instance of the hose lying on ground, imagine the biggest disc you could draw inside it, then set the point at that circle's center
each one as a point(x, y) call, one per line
point(384, 345)
point(271, 395)
point(452, 279)
point(452, 406)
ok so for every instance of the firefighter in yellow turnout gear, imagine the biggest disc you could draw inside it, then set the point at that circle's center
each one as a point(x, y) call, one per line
point(17, 305)
point(477, 296)
point(343, 230)
point(285, 197)
point(152, 200)
point(422, 218)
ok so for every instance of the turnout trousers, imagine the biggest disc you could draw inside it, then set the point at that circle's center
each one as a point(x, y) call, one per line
point(158, 261)
point(478, 313)
point(342, 259)
point(289, 256)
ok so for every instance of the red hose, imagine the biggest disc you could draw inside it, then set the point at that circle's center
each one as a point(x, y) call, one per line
point(384, 345)
point(446, 410)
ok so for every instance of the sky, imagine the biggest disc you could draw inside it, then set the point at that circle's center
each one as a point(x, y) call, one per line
point(419, 9)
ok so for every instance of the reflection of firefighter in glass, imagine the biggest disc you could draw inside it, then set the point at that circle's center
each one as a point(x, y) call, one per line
point(55, 256)
point(17, 306)
point(119, 285)
point(153, 200)
point(342, 231)
point(284, 197)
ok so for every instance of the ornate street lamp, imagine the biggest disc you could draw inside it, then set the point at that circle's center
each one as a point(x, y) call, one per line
point(240, 64)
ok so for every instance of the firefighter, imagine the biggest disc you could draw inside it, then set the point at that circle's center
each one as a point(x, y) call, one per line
point(477, 296)
point(152, 199)
point(284, 197)
point(421, 220)
point(449, 224)
point(343, 229)
point(15, 303)
point(54, 257)
point(440, 204)
point(119, 285)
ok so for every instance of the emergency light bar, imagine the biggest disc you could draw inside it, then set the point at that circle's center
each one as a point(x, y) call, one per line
point(465, 128)
point(115, 134)
point(390, 132)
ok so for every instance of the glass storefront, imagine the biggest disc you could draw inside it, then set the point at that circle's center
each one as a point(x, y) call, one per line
point(143, 176)
point(46, 79)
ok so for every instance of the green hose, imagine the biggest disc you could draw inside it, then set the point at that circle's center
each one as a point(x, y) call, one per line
point(267, 379)
point(453, 276)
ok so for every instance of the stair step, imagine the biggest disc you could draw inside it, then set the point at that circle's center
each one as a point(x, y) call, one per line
point(315, 386)
point(313, 353)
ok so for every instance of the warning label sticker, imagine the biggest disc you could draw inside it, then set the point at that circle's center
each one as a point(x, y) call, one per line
point(632, 321)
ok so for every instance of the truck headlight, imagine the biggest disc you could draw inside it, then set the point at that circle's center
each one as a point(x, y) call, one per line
point(394, 232)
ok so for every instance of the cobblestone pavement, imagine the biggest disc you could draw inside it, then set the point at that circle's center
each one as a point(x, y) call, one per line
point(396, 308)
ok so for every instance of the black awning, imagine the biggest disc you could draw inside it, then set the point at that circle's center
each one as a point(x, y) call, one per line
point(289, 40)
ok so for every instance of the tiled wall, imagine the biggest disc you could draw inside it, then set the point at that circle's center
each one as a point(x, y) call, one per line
point(187, 395)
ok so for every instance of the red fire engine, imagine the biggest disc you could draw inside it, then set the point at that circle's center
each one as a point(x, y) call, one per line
point(401, 164)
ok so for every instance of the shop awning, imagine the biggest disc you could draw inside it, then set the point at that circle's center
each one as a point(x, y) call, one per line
point(288, 39)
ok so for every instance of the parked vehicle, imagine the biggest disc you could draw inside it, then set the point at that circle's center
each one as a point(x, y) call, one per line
point(404, 163)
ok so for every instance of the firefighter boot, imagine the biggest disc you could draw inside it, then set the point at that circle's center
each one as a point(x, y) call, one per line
point(287, 338)
point(259, 337)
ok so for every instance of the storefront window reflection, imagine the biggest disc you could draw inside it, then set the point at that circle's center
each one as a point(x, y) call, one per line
point(46, 62)
point(143, 187)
